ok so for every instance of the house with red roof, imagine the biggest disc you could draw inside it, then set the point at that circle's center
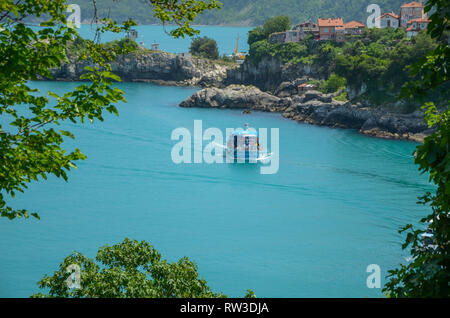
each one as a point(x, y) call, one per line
point(414, 26)
point(411, 11)
point(353, 27)
point(412, 18)
point(327, 29)
point(389, 20)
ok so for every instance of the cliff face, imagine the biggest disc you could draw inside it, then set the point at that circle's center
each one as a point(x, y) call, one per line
point(265, 75)
point(269, 73)
point(154, 66)
point(185, 70)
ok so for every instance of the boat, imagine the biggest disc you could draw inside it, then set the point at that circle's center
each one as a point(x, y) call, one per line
point(244, 146)
point(239, 57)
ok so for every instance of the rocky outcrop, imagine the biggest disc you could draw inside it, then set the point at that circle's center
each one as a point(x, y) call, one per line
point(292, 72)
point(157, 67)
point(236, 96)
point(265, 75)
point(397, 126)
point(353, 92)
point(269, 73)
point(315, 108)
point(367, 120)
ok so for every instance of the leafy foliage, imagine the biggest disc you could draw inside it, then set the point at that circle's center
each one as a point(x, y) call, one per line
point(125, 44)
point(255, 35)
point(79, 48)
point(260, 49)
point(129, 269)
point(30, 143)
point(333, 84)
point(378, 58)
point(276, 24)
point(181, 13)
point(428, 275)
point(204, 47)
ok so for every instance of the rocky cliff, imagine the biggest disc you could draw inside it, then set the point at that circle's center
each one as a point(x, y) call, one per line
point(315, 108)
point(155, 66)
point(269, 73)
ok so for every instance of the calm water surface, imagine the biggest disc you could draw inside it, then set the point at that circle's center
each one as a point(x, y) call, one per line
point(225, 36)
point(333, 208)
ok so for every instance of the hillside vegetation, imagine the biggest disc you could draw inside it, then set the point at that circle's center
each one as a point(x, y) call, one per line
point(243, 12)
point(379, 59)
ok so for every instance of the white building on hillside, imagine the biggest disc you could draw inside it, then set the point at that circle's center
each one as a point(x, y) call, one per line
point(389, 20)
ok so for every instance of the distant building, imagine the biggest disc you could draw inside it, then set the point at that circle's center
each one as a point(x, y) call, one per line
point(411, 11)
point(389, 20)
point(354, 27)
point(307, 28)
point(414, 26)
point(412, 18)
point(340, 34)
point(155, 47)
point(305, 87)
point(277, 37)
point(293, 36)
point(298, 33)
point(327, 28)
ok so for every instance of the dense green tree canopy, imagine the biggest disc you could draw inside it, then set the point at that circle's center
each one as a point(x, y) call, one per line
point(428, 274)
point(204, 47)
point(378, 58)
point(30, 141)
point(276, 24)
point(272, 25)
point(129, 269)
point(255, 35)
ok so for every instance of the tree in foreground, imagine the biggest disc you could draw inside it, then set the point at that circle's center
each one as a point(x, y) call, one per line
point(204, 47)
point(129, 269)
point(428, 274)
point(30, 141)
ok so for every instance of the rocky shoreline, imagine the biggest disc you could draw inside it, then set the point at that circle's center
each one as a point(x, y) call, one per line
point(155, 67)
point(273, 89)
point(315, 108)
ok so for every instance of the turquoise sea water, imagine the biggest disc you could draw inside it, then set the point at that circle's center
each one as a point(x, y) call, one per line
point(225, 36)
point(310, 230)
point(333, 208)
